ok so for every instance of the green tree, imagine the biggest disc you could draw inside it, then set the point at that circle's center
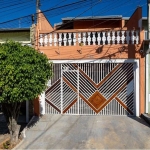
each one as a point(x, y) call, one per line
point(24, 73)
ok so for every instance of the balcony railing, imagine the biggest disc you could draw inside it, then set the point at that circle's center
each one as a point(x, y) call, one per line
point(89, 38)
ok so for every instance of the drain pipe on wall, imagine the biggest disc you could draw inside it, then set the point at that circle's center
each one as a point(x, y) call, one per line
point(147, 105)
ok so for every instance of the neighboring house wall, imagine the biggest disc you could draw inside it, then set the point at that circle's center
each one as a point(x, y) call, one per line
point(112, 51)
point(18, 35)
point(23, 36)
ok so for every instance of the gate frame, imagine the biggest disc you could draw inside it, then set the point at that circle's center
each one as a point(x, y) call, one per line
point(136, 75)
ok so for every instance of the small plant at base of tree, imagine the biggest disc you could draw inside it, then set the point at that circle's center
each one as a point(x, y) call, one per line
point(24, 73)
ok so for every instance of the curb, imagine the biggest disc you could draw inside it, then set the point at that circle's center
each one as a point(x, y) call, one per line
point(23, 134)
point(146, 117)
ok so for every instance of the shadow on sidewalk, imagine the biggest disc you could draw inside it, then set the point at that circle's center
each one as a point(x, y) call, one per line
point(140, 120)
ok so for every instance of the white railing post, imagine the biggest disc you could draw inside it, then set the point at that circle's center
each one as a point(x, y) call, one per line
point(74, 38)
point(104, 38)
point(60, 39)
point(118, 37)
point(84, 38)
point(45, 40)
point(55, 39)
point(123, 37)
point(79, 38)
point(132, 37)
point(113, 37)
point(89, 38)
point(94, 38)
point(65, 39)
point(108, 37)
point(69, 39)
point(50, 39)
point(98, 38)
point(41, 40)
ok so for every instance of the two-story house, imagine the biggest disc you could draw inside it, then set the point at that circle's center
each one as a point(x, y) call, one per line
point(98, 65)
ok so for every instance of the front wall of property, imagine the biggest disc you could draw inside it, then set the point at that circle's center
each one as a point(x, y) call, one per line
point(111, 51)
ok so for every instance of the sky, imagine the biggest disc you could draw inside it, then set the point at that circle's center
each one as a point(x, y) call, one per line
point(17, 13)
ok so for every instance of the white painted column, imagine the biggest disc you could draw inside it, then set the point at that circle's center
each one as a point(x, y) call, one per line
point(42, 103)
point(61, 89)
point(136, 88)
point(147, 91)
point(78, 88)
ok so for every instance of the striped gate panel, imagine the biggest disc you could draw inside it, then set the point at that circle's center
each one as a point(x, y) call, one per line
point(92, 89)
point(53, 92)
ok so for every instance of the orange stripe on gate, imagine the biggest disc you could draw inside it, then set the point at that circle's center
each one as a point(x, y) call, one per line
point(105, 79)
point(52, 105)
point(123, 105)
point(71, 86)
point(115, 94)
point(69, 106)
point(52, 86)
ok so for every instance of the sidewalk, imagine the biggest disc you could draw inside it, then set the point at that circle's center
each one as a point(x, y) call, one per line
point(87, 132)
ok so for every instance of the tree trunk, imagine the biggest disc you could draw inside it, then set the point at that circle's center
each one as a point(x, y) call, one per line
point(11, 112)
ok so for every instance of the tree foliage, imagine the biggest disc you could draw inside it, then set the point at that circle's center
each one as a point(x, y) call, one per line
point(23, 72)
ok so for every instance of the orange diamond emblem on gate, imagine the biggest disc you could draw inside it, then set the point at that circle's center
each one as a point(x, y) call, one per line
point(97, 100)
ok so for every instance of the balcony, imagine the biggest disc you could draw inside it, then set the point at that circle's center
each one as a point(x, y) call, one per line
point(63, 38)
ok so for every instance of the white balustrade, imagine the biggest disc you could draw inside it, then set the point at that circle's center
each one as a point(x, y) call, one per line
point(96, 38)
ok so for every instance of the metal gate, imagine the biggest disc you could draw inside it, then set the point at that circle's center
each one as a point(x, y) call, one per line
point(91, 89)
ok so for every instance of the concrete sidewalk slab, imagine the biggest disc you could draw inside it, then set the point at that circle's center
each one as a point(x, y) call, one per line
point(87, 132)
